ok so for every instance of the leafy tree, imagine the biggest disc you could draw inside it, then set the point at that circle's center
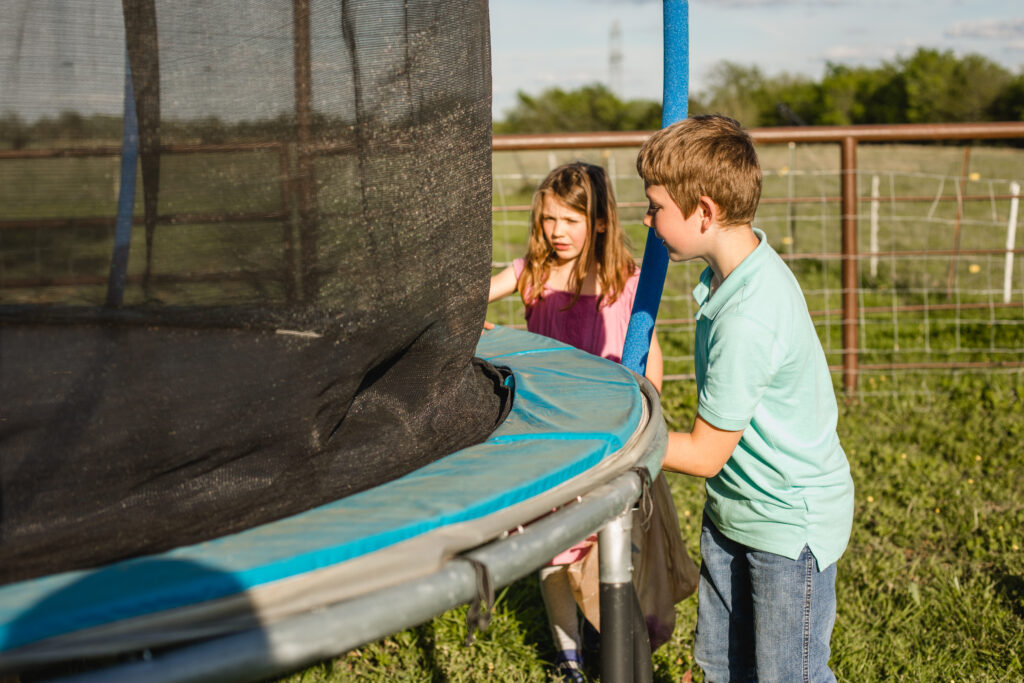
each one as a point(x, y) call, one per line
point(590, 108)
point(1008, 105)
point(71, 125)
point(735, 90)
point(928, 86)
point(790, 101)
point(860, 95)
point(940, 87)
point(747, 95)
point(13, 131)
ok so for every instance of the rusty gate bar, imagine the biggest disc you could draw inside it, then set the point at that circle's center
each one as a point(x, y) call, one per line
point(108, 151)
point(287, 225)
point(304, 141)
point(826, 199)
point(784, 134)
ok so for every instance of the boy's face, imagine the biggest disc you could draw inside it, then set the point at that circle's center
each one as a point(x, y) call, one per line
point(680, 234)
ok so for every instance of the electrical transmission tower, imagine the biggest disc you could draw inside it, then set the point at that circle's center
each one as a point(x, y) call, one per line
point(615, 58)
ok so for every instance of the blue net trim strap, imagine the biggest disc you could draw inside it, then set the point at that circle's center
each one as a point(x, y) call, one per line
point(575, 424)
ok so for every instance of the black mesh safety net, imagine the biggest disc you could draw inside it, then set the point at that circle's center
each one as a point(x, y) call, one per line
point(244, 255)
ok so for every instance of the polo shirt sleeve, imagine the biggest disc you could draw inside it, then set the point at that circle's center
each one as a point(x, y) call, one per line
point(743, 357)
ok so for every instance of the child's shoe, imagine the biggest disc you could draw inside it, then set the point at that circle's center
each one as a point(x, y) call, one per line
point(569, 664)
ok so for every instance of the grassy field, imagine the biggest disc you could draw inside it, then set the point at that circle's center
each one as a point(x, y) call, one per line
point(957, 313)
point(931, 587)
point(82, 188)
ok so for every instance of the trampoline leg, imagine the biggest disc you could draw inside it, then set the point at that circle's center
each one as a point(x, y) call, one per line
point(616, 596)
point(643, 672)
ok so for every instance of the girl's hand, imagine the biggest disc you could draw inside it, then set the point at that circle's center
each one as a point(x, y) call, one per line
point(488, 326)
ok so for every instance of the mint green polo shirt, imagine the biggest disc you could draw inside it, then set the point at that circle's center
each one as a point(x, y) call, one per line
point(761, 369)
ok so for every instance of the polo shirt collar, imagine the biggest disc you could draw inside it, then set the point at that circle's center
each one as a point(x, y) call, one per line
point(709, 307)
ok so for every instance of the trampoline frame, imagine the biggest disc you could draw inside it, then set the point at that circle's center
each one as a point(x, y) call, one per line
point(330, 610)
point(316, 635)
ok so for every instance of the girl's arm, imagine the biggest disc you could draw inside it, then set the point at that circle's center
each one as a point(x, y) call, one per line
point(502, 284)
point(655, 367)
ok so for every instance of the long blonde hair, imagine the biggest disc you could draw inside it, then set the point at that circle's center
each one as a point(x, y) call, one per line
point(584, 188)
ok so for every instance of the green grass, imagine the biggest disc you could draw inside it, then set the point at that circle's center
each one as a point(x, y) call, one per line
point(943, 287)
point(207, 183)
point(933, 578)
point(931, 587)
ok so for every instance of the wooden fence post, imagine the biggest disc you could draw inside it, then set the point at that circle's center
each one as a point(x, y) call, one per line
point(308, 266)
point(848, 173)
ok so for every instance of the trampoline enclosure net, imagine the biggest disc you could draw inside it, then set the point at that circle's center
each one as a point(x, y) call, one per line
point(285, 310)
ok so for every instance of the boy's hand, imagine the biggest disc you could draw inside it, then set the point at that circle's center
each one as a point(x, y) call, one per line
point(487, 326)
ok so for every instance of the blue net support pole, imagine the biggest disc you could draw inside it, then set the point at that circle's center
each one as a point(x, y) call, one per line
point(675, 99)
point(126, 193)
point(618, 642)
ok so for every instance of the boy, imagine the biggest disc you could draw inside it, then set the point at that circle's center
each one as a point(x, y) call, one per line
point(779, 494)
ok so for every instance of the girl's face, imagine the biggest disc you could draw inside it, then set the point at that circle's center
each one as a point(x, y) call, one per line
point(565, 229)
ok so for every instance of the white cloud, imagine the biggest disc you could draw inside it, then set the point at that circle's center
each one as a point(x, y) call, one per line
point(861, 53)
point(988, 29)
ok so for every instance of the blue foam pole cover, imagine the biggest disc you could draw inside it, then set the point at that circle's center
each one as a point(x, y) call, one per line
point(675, 99)
point(126, 194)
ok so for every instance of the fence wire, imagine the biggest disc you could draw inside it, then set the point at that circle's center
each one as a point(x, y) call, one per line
point(940, 270)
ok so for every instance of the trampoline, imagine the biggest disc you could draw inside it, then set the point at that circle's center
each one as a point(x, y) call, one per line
point(248, 596)
point(251, 421)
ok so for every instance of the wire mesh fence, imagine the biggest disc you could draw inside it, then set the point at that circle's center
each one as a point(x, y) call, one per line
point(939, 270)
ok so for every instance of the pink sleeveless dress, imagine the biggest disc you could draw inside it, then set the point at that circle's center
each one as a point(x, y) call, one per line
point(589, 326)
point(600, 330)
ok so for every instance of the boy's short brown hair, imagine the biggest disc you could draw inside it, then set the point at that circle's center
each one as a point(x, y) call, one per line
point(708, 155)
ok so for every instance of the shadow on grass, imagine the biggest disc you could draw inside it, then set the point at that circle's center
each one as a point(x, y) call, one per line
point(1010, 588)
point(524, 607)
point(426, 635)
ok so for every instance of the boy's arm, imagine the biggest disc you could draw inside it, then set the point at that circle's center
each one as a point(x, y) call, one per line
point(702, 452)
point(502, 284)
point(655, 371)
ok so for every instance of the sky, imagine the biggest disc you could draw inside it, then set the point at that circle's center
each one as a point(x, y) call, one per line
point(538, 44)
point(535, 44)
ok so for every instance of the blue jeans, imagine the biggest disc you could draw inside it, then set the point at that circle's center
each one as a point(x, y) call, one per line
point(761, 616)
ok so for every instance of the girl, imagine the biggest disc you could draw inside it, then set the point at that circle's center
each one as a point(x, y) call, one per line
point(578, 282)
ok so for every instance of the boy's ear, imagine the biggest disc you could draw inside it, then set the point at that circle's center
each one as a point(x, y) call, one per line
point(708, 211)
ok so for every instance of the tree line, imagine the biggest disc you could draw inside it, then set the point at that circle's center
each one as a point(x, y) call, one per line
point(929, 86)
point(70, 128)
